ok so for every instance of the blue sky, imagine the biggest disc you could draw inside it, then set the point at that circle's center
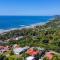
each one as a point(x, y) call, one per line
point(29, 7)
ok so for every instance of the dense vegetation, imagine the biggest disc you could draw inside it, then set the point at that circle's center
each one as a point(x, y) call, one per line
point(47, 36)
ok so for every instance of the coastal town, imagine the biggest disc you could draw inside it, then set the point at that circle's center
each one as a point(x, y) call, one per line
point(17, 52)
point(29, 29)
point(37, 43)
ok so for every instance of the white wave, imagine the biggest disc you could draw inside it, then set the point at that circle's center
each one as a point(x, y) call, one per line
point(22, 25)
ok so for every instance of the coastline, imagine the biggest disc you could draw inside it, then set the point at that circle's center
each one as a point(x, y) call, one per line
point(35, 21)
point(23, 26)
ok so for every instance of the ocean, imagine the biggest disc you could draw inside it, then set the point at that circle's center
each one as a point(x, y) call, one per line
point(9, 22)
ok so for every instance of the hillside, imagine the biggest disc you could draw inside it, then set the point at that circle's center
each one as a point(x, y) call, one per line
point(55, 23)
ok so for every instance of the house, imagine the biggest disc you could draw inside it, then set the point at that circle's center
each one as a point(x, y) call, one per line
point(49, 55)
point(4, 49)
point(18, 50)
point(16, 38)
point(32, 52)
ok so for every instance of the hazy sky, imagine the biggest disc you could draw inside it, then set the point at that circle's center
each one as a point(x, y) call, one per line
point(29, 7)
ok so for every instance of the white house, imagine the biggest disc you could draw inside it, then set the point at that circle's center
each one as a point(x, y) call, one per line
point(18, 50)
point(17, 38)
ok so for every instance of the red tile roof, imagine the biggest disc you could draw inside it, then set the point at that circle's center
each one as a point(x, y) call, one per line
point(32, 52)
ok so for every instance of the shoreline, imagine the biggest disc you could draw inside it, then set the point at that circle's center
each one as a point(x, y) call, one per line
point(20, 27)
point(23, 26)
